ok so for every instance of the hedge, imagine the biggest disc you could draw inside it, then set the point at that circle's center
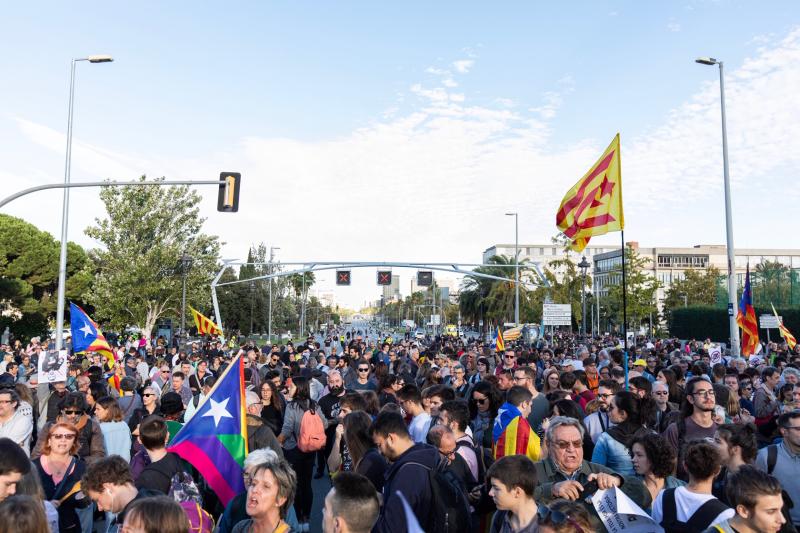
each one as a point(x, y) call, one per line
point(712, 322)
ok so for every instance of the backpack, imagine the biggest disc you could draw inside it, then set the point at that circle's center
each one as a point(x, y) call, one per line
point(312, 432)
point(699, 521)
point(483, 456)
point(183, 489)
point(199, 519)
point(450, 511)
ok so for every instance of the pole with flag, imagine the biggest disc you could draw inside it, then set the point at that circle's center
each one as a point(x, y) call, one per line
point(499, 342)
point(87, 336)
point(746, 318)
point(593, 206)
point(785, 333)
point(205, 326)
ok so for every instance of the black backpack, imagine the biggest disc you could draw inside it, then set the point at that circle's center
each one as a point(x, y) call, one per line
point(699, 521)
point(449, 505)
point(483, 456)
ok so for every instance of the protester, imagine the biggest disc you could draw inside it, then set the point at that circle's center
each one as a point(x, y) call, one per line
point(270, 492)
point(696, 422)
point(22, 514)
point(116, 433)
point(158, 474)
point(512, 434)
point(563, 516)
point(365, 457)
point(756, 498)
point(351, 506)
point(15, 423)
point(629, 413)
point(654, 462)
point(157, 514)
point(14, 464)
point(781, 460)
point(513, 479)
point(410, 400)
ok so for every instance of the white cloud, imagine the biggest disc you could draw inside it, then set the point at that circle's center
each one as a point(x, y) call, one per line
point(463, 65)
point(449, 82)
point(437, 71)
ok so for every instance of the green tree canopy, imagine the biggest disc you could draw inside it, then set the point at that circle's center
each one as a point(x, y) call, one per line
point(641, 292)
point(697, 288)
point(139, 274)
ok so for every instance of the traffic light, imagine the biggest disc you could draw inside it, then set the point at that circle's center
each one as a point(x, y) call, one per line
point(228, 198)
point(425, 278)
point(343, 277)
point(384, 277)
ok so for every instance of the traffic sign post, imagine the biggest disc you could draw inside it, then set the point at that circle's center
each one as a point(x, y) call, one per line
point(384, 277)
point(557, 315)
point(343, 277)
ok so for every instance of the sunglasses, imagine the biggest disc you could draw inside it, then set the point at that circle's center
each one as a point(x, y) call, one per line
point(63, 436)
point(71, 412)
point(557, 518)
point(146, 394)
point(363, 369)
point(565, 444)
point(481, 400)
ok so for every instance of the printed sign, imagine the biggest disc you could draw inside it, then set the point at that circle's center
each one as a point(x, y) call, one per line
point(53, 366)
point(620, 514)
point(557, 315)
point(716, 354)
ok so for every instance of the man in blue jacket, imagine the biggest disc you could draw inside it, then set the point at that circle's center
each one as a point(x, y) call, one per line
point(411, 464)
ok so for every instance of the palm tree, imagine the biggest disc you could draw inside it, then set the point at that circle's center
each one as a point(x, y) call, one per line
point(490, 298)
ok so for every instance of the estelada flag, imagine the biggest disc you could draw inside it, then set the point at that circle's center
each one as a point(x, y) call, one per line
point(499, 342)
point(86, 334)
point(593, 206)
point(746, 319)
point(214, 440)
point(205, 326)
point(785, 333)
point(512, 435)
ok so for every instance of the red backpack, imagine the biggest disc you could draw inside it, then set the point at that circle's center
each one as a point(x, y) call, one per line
point(312, 431)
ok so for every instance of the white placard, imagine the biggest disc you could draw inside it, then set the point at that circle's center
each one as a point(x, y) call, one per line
point(53, 366)
point(769, 321)
point(620, 514)
point(716, 354)
point(557, 314)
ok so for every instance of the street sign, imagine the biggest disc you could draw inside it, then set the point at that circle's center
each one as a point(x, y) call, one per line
point(384, 277)
point(769, 321)
point(424, 278)
point(343, 277)
point(557, 315)
point(436, 320)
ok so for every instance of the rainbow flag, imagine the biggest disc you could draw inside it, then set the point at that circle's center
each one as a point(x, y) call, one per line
point(512, 435)
point(204, 324)
point(746, 319)
point(86, 335)
point(214, 440)
point(499, 343)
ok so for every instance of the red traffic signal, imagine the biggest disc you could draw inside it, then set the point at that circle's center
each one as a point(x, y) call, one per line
point(384, 277)
point(343, 277)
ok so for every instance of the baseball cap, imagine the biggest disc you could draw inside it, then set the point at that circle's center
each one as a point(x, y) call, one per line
point(639, 362)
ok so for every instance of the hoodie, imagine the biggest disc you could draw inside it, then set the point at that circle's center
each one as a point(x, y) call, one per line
point(412, 481)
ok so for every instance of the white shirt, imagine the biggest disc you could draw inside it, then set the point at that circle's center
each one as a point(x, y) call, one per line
point(686, 504)
point(419, 426)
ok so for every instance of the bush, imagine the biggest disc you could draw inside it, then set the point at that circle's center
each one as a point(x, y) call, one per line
point(712, 322)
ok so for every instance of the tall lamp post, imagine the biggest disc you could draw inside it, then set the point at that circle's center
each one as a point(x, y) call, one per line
point(252, 300)
point(62, 258)
point(269, 319)
point(583, 265)
point(186, 264)
point(516, 266)
point(734, 329)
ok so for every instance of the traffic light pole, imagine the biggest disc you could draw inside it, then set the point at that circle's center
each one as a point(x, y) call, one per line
point(70, 185)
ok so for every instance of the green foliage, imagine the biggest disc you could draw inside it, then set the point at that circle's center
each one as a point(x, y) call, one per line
point(697, 288)
point(701, 322)
point(641, 293)
point(138, 271)
point(493, 300)
point(29, 276)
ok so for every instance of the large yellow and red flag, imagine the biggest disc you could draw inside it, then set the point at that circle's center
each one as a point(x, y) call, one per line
point(785, 333)
point(593, 206)
point(205, 326)
point(746, 319)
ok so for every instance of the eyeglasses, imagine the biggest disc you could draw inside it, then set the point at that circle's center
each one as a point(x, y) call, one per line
point(450, 453)
point(510, 356)
point(165, 371)
point(565, 444)
point(146, 394)
point(71, 412)
point(481, 400)
point(704, 393)
point(5, 402)
point(363, 369)
point(63, 436)
point(604, 396)
point(661, 393)
point(557, 518)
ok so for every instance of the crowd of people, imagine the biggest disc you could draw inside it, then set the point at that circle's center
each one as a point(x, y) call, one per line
point(441, 434)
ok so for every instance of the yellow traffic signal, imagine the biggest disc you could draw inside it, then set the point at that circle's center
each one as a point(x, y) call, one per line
point(228, 198)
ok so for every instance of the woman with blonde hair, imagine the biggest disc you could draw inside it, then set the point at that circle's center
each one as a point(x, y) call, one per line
point(270, 493)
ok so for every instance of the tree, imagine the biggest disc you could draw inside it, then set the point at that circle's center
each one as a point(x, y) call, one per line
point(641, 292)
point(697, 288)
point(770, 282)
point(493, 300)
point(29, 261)
point(138, 274)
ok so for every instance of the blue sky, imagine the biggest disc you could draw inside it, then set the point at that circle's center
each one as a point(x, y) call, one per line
point(432, 118)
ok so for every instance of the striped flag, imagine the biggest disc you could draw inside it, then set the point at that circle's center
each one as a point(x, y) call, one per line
point(512, 435)
point(86, 335)
point(205, 326)
point(593, 206)
point(499, 343)
point(746, 319)
point(785, 333)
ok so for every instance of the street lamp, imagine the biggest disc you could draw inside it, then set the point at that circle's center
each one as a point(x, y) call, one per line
point(516, 266)
point(252, 300)
point(583, 265)
point(269, 269)
point(734, 329)
point(186, 264)
point(62, 259)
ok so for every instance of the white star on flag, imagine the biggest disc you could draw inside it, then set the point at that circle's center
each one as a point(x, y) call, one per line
point(218, 410)
point(86, 329)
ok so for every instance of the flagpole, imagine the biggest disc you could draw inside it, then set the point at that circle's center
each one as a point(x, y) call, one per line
point(624, 312)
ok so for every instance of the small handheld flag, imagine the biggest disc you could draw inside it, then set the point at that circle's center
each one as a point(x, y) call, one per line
point(593, 206)
point(746, 319)
point(214, 440)
point(500, 345)
point(785, 333)
point(86, 334)
point(205, 326)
